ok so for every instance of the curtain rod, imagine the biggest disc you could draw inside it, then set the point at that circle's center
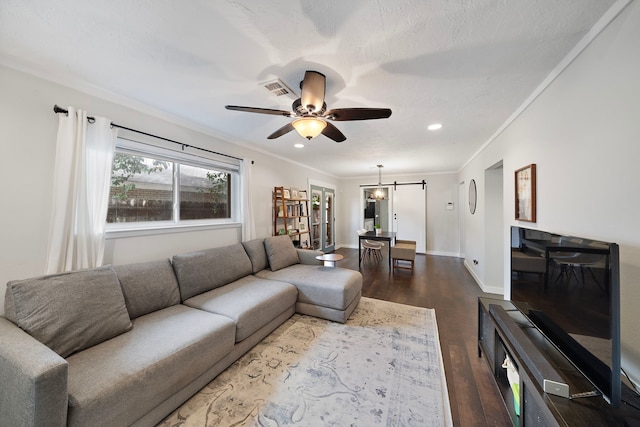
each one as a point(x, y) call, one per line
point(57, 109)
point(395, 184)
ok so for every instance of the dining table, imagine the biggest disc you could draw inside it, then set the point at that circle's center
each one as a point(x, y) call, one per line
point(384, 236)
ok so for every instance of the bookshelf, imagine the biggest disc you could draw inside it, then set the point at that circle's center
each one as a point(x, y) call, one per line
point(291, 215)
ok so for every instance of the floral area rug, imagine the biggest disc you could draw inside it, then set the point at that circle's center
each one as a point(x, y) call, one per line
point(383, 367)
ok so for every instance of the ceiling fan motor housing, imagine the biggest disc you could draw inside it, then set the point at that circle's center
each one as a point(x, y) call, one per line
point(310, 111)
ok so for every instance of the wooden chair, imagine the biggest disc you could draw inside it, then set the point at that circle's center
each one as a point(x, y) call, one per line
point(403, 251)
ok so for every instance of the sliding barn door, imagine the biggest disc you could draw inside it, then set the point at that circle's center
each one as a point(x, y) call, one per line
point(410, 214)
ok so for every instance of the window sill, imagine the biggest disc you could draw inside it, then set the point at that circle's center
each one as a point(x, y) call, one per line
point(147, 230)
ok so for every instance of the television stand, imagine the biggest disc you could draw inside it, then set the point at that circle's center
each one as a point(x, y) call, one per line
point(543, 374)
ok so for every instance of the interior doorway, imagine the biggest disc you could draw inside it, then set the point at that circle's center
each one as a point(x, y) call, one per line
point(402, 210)
point(494, 229)
point(377, 211)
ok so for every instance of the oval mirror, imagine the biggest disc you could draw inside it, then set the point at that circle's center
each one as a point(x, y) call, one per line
point(473, 196)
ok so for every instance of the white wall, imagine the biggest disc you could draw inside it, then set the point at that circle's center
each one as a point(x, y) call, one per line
point(29, 129)
point(442, 224)
point(583, 133)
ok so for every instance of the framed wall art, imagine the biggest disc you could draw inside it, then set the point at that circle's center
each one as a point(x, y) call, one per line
point(526, 193)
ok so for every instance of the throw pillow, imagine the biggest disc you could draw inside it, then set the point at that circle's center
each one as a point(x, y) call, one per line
point(148, 286)
point(257, 254)
point(280, 252)
point(72, 311)
point(202, 271)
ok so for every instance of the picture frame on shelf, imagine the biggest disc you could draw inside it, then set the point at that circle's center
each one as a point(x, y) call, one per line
point(525, 203)
point(286, 194)
point(303, 226)
point(294, 193)
point(302, 194)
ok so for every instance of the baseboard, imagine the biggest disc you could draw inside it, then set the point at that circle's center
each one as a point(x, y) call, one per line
point(487, 289)
point(440, 253)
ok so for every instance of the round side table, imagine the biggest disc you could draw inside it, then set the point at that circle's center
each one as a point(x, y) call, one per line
point(330, 259)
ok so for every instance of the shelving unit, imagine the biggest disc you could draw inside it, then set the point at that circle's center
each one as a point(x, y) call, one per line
point(291, 216)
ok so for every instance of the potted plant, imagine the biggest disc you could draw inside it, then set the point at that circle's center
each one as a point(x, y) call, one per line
point(378, 229)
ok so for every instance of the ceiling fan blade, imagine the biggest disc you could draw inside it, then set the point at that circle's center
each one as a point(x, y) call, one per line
point(345, 114)
point(259, 110)
point(284, 129)
point(313, 89)
point(332, 132)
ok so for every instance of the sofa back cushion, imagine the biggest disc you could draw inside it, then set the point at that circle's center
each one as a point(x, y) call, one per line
point(201, 271)
point(148, 286)
point(280, 252)
point(69, 312)
point(257, 254)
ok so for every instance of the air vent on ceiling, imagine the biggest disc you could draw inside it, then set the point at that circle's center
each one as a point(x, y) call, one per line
point(278, 88)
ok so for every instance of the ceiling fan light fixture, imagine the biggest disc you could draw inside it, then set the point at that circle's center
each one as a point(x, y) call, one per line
point(309, 127)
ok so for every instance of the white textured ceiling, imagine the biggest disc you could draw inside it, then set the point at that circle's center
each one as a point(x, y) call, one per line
point(468, 64)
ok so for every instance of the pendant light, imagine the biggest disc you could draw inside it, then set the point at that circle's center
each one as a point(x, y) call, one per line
point(379, 193)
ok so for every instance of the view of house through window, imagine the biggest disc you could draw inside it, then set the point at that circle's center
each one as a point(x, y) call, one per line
point(204, 193)
point(142, 190)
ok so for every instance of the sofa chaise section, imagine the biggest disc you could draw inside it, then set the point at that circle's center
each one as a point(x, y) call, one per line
point(330, 293)
point(327, 292)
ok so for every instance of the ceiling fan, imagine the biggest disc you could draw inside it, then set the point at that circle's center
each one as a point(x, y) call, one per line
point(310, 111)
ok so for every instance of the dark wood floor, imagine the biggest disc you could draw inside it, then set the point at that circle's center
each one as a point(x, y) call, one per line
point(444, 284)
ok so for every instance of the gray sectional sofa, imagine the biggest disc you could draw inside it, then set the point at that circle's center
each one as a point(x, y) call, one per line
point(127, 345)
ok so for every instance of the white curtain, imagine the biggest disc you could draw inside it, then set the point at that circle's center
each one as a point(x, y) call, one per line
point(81, 182)
point(248, 223)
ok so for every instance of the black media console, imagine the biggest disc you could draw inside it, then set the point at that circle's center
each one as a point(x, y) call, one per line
point(546, 378)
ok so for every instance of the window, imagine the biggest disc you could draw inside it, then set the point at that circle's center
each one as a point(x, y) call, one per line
point(204, 193)
point(141, 189)
point(154, 187)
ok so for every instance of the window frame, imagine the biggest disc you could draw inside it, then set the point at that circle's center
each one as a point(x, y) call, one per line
point(155, 150)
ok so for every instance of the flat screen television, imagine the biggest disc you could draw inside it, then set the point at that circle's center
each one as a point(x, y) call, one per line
point(569, 288)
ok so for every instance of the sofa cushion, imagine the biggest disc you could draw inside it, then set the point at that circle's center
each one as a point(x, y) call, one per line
point(251, 302)
point(257, 254)
point(329, 287)
point(117, 382)
point(201, 271)
point(72, 311)
point(280, 252)
point(148, 286)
